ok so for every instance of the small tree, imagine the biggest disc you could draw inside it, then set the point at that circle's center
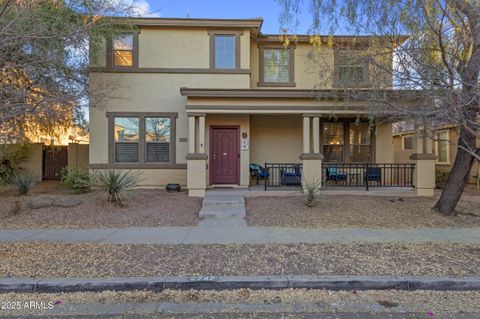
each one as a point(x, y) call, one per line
point(44, 61)
point(435, 46)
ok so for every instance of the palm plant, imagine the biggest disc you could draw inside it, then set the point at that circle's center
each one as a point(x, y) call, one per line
point(117, 184)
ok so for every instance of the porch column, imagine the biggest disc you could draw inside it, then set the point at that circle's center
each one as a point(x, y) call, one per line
point(424, 159)
point(201, 134)
point(306, 134)
point(311, 161)
point(196, 157)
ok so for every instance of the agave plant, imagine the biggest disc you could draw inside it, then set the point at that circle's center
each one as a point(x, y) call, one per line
point(117, 184)
point(310, 191)
point(22, 183)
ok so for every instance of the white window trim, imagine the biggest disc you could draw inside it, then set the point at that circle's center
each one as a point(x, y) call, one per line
point(448, 162)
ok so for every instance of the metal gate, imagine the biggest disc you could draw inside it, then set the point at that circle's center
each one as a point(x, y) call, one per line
point(54, 159)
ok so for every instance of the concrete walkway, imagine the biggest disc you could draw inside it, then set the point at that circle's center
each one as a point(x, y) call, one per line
point(224, 233)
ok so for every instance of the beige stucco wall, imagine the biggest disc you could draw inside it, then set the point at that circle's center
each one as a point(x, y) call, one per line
point(244, 122)
point(158, 177)
point(276, 138)
point(384, 143)
point(173, 48)
point(150, 93)
point(78, 155)
point(182, 48)
point(314, 66)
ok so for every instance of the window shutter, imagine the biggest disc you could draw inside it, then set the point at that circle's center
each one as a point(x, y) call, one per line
point(158, 152)
point(126, 152)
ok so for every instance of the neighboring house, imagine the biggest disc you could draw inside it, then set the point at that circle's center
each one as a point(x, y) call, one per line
point(198, 100)
point(445, 148)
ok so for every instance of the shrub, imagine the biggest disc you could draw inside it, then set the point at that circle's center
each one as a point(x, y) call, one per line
point(441, 177)
point(9, 157)
point(310, 191)
point(22, 183)
point(77, 180)
point(117, 184)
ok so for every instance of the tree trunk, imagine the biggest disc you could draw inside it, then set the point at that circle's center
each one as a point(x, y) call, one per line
point(458, 177)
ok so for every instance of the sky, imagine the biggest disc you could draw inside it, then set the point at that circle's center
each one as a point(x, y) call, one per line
point(269, 10)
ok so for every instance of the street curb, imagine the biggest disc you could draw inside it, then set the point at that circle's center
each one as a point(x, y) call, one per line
point(409, 283)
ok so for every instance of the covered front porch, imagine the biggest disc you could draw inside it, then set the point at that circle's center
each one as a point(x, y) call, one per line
point(271, 142)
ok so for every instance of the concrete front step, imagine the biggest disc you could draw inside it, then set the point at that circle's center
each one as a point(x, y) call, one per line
point(223, 207)
point(229, 200)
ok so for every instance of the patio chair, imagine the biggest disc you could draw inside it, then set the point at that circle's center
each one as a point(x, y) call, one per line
point(373, 174)
point(258, 172)
point(291, 176)
point(334, 175)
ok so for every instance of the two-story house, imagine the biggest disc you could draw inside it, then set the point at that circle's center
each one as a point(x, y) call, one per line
point(196, 101)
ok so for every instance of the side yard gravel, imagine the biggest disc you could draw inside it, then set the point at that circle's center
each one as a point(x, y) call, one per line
point(419, 301)
point(144, 208)
point(337, 211)
point(106, 260)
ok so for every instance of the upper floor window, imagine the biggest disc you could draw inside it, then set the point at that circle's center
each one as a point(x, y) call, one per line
point(224, 52)
point(351, 67)
point(276, 66)
point(123, 51)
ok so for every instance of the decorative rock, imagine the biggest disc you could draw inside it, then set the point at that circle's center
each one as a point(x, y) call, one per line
point(39, 202)
point(66, 202)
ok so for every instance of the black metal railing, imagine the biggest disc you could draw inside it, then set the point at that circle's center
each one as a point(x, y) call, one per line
point(367, 175)
point(283, 174)
point(364, 175)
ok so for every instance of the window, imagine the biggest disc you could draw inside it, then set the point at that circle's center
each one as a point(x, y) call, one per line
point(126, 136)
point(142, 138)
point(276, 66)
point(225, 52)
point(157, 137)
point(408, 142)
point(351, 67)
point(360, 142)
point(123, 50)
point(333, 140)
point(442, 147)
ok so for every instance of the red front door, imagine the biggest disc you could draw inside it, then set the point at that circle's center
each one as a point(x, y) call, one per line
point(224, 155)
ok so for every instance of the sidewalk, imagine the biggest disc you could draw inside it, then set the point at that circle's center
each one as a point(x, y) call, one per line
point(225, 233)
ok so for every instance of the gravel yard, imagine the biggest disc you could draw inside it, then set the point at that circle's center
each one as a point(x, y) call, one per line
point(145, 208)
point(337, 211)
point(107, 260)
point(419, 301)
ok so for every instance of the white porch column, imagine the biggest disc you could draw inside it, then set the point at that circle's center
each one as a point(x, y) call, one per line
point(191, 134)
point(306, 134)
point(311, 161)
point(316, 135)
point(196, 157)
point(424, 157)
point(201, 134)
